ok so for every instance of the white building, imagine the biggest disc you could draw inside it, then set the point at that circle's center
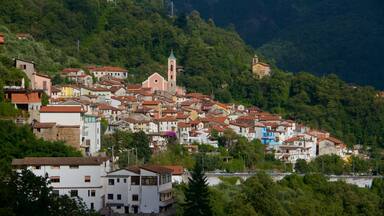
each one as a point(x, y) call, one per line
point(302, 146)
point(72, 176)
point(146, 189)
point(115, 72)
point(167, 123)
point(87, 127)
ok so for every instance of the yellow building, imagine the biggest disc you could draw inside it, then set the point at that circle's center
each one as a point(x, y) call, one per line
point(260, 69)
point(69, 91)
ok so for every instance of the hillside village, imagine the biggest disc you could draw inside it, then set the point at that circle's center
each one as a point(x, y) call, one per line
point(73, 113)
point(157, 107)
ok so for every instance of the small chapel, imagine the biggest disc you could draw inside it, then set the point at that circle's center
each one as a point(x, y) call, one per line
point(260, 69)
point(158, 83)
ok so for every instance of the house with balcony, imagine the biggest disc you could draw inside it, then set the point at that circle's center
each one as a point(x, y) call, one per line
point(144, 189)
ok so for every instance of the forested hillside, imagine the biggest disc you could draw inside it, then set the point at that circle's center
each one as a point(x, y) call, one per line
point(139, 35)
point(345, 37)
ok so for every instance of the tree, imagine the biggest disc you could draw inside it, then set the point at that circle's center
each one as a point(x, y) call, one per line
point(302, 166)
point(26, 194)
point(197, 196)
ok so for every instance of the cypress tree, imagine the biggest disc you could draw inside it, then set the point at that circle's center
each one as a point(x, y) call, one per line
point(197, 195)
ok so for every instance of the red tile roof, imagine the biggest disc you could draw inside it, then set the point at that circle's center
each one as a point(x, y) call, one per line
point(109, 68)
point(150, 103)
point(71, 70)
point(176, 170)
point(61, 109)
point(183, 125)
point(24, 98)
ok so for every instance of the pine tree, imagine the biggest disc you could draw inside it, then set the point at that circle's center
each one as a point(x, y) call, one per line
point(197, 195)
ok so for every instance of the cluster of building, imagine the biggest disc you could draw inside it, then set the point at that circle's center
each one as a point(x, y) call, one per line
point(157, 107)
point(139, 189)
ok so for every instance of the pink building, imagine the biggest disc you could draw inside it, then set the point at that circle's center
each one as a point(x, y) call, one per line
point(157, 82)
point(42, 82)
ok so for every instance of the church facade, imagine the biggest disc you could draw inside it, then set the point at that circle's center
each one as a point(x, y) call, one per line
point(260, 69)
point(158, 83)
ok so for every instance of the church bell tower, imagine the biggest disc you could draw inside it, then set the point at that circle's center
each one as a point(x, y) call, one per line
point(172, 73)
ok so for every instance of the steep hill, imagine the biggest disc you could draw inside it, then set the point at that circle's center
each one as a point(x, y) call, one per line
point(139, 35)
point(345, 37)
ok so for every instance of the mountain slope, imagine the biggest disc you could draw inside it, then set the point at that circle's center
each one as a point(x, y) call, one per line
point(139, 35)
point(345, 37)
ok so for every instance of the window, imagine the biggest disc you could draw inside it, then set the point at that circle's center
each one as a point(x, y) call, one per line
point(37, 167)
point(92, 206)
point(45, 85)
point(118, 180)
point(118, 196)
point(87, 178)
point(135, 180)
point(110, 196)
point(156, 81)
point(55, 179)
point(171, 77)
point(111, 181)
point(125, 180)
point(74, 167)
point(55, 167)
point(149, 180)
point(135, 197)
point(171, 67)
point(93, 193)
point(73, 193)
point(118, 207)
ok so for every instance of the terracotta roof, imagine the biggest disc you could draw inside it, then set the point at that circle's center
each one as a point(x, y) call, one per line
point(333, 139)
point(181, 116)
point(167, 118)
point(107, 107)
point(133, 86)
point(157, 169)
point(109, 68)
point(183, 125)
point(269, 118)
point(43, 75)
point(150, 103)
point(176, 170)
point(18, 98)
point(44, 125)
point(33, 161)
point(197, 95)
point(217, 128)
point(71, 70)
point(61, 109)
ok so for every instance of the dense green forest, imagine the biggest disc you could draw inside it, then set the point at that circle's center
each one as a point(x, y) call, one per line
point(139, 35)
point(345, 37)
point(294, 195)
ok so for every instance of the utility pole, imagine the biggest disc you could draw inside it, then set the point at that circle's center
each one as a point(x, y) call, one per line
point(172, 12)
point(78, 46)
point(128, 157)
point(113, 158)
point(135, 156)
